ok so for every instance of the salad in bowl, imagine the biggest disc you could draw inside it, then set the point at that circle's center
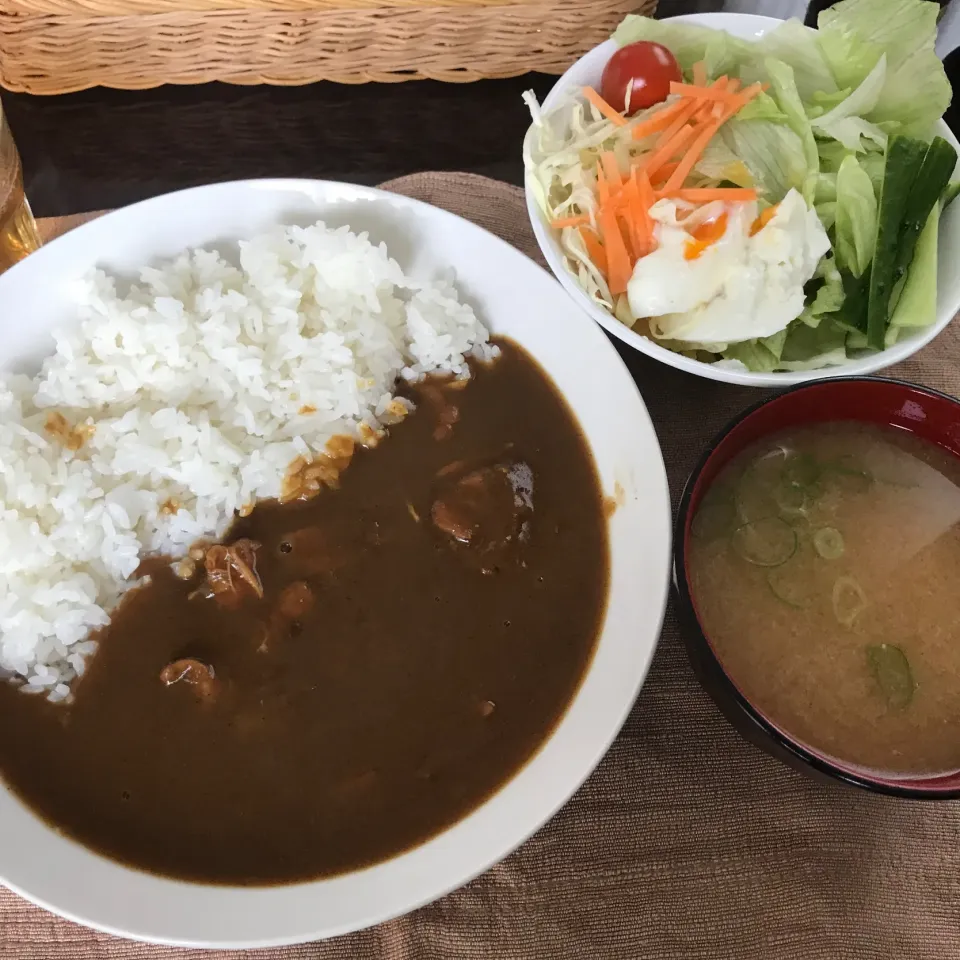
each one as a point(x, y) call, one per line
point(759, 203)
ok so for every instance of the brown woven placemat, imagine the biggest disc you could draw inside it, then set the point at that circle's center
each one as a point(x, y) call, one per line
point(686, 843)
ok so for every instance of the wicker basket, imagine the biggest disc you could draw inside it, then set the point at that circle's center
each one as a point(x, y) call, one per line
point(56, 46)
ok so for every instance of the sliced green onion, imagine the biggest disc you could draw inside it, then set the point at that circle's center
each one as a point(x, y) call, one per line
point(754, 496)
point(785, 589)
point(801, 469)
point(828, 542)
point(849, 600)
point(891, 670)
point(767, 542)
point(791, 499)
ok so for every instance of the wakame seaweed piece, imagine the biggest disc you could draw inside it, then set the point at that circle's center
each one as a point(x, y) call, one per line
point(932, 180)
point(891, 670)
point(849, 474)
point(903, 162)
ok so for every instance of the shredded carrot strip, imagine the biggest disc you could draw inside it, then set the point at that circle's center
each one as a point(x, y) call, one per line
point(611, 170)
point(742, 98)
point(704, 134)
point(661, 119)
point(763, 219)
point(633, 219)
point(576, 221)
point(707, 131)
point(663, 173)
point(700, 73)
point(703, 93)
point(603, 188)
point(647, 200)
point(618, 118)
point(618, 258)
point(595, 250)
point(706, 108)
point(671, 148)
point(704, 236)
point(677, 135)
point(679, 122)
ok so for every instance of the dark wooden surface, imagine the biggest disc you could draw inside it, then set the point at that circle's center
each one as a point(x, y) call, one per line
point(105, 148)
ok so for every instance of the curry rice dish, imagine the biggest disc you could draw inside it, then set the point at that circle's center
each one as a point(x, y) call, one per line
point(296, 566)
point(345, 675)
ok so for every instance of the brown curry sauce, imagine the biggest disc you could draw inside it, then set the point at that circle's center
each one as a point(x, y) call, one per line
point(421, 630)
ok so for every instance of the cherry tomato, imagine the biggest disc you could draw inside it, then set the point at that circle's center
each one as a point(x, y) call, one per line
point(644, 69)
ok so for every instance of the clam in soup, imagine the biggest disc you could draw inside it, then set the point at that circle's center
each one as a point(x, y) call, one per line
point(824, 565)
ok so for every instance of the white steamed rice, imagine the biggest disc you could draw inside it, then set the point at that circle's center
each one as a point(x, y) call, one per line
point(194, 380)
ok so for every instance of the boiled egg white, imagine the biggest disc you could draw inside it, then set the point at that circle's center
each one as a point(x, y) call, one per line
point(739, 287)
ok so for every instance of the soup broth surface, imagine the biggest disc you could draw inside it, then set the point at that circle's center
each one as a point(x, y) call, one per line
point(824, 563)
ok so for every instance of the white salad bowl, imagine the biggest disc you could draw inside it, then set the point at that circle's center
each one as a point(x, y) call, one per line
point(513, 297)
point(587, 72)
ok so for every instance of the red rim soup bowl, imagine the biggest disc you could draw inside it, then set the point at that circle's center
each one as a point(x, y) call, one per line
point(928, 414)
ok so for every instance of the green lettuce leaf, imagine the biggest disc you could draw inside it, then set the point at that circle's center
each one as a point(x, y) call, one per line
point(784, 88)
point(826, 188)
point(820, 103)
point(832, 154)
point(795, 45)
point(855, 224)
point(845, 122)
point(772, 151)
point(826, 212)
point(828, 284)
point(762, 107)
point(719, 162)
point(873, 163)
point(725, 54)
point(760, 356)
point(687, 42)
point(811, 348)
point(855, 34)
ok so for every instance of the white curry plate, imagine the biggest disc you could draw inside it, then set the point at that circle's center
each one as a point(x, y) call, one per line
point(514, 297)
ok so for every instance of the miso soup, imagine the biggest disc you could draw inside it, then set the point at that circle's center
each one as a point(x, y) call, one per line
point(825, 569)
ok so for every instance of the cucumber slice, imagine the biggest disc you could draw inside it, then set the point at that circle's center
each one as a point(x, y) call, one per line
point(903, 162)
point(934, 176)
